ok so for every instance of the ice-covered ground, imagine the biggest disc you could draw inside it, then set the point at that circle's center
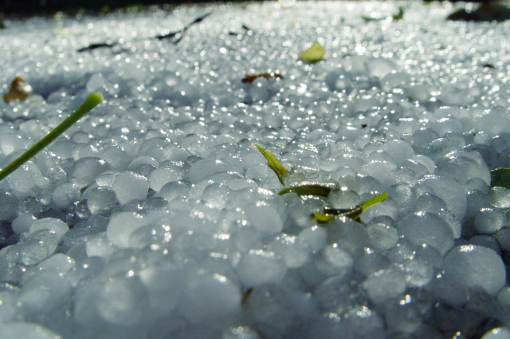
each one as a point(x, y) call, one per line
point(154, 217)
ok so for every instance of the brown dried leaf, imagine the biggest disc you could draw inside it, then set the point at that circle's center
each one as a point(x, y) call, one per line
point(249, 78)
point(18, 89)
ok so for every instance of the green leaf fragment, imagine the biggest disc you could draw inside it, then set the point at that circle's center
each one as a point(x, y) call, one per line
point(500, 177)
point(313, 54)
point(372, 201)
point(309, 189)
point(352, 213)
point(90, 102)
point(322, 218)
point(273, 163)
point(400, 14)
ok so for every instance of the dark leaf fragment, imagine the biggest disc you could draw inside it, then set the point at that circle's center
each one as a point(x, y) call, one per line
point(18, 89)
point(96, 46)
point(310, 189)
point(176, 36)
point(500, 177)
point(249, 78)
point(246, 295)
point(352, 213)
point(490, 11)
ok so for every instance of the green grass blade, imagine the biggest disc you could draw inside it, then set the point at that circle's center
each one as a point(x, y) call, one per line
point(372, 201)
point(92, 101)
point(273, 163)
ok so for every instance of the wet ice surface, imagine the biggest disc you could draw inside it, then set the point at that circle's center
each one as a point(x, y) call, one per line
point(153, 217)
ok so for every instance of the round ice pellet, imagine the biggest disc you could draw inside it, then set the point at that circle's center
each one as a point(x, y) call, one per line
point(421, 138)
point(293, 249)
point(55, 226)
point(463, 165)
point(503, 238)
point(122, 300)
point(426, 228)
point(379, 67)
point(59, 263)
point(121, 226)
point(452, 193)
point(385, 284)
point(467, 268)
point(85, 171)
point(210, 299)
point(164, 284)
point(203, 168)
point(101, 200)
point(22, 223)
point(315, 237)
point(44, 293)
point(503, 297)
point(267, 215)
point(500, 197)
point(27, 330)
point(399, 150)
point(477, 184)
point(95, 82)
point(65, 195)
point(343, 198)
point(428, 202)
point(258, 267)
point(417, 273)
point(160, 177)
point(489, 220)
point(130, 186)
point(382, 233)
point(334, 261)
point(497, 333)
point(476, 200)
point(173, 190)
point(98, 245)
point(387, 208)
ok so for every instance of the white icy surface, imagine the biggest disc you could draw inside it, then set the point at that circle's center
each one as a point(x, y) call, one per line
point(153, 217)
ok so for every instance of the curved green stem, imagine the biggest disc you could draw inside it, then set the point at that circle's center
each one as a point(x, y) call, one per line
point(92, 101)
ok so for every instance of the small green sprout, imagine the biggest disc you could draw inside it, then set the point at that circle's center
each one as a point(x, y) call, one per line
point(92, 101)
point(319, 190)
point(273, 163)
